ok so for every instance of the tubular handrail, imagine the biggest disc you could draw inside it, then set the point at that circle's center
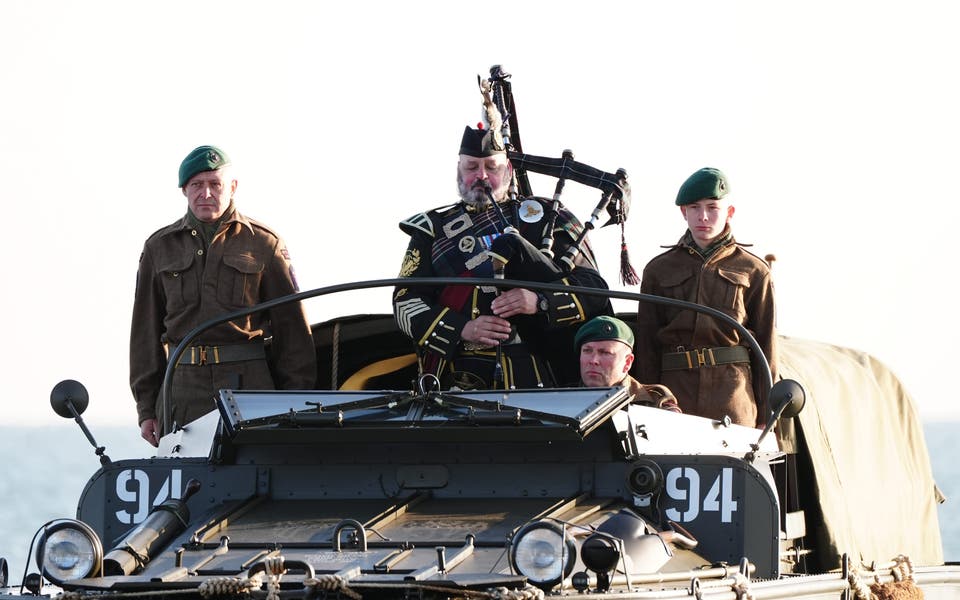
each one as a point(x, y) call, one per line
point(166, 406)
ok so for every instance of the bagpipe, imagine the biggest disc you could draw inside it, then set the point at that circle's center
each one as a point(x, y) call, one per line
point(501, 115)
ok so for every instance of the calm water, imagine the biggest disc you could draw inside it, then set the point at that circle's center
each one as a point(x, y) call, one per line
point(46, 469)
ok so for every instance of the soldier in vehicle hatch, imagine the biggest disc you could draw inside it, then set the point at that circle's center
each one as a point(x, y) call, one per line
point(702, 360)
point(212, 261)
point(605, 347)
point(478, 338)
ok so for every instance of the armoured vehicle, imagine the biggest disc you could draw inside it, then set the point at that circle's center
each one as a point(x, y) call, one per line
point(380, 485)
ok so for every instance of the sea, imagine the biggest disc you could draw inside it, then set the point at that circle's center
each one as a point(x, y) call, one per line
point(47, 468)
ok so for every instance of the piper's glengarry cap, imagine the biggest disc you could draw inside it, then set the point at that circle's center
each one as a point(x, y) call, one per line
point(481, 143)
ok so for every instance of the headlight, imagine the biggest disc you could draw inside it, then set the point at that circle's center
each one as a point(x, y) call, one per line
point(69, 550)
point(600, 552)
point(624, 535)
point(543, 553)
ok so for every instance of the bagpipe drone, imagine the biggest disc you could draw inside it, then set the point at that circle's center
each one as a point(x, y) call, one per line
point(501, 116)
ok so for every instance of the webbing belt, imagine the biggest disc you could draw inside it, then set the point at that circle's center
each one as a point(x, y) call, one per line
point(705, 357)
point(213, 355)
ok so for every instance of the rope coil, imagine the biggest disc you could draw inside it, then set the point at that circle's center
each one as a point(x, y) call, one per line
point(903, 568)
point(860, 589)
point(221, 587)
point(741, 586)
point(115, 595)
point(232, 586)
point(901, 588)
point(329, 583)
point(229, 586)
point(527, 593)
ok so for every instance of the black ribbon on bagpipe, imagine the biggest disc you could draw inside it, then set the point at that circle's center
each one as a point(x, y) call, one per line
point(615, 191)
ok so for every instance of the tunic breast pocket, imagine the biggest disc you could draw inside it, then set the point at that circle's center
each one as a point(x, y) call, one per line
point(679, 284)
point(180, 282)
point(735, 285)
point(238, 283)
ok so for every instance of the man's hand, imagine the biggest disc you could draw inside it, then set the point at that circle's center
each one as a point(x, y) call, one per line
point(486, 330)
point(518, 301)
point(150, 432)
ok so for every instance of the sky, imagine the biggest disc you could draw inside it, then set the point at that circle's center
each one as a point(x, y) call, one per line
point(836, 123)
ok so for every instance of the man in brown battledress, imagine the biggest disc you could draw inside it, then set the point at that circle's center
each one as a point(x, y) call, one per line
point(703, 361)
point(212, 261)
point(605, 347)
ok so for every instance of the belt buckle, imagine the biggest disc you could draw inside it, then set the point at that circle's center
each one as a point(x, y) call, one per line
point(701, 357)
point(197, 355)
point(705, 357)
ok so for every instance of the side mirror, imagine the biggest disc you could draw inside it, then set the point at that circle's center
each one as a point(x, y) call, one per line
point(787, 399)
point(69, 399)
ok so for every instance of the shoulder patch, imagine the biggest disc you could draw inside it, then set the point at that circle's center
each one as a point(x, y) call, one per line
point(420, 222)
point(411, 260)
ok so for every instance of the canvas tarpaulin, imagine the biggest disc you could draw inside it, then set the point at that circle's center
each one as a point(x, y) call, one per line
point(871, 471)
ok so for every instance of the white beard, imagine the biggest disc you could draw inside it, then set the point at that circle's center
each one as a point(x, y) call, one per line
point(477, 198)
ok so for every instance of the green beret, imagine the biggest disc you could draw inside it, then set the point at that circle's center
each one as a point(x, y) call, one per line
point(604, 328)
point(705, 183)
point(203, 158)
point(481, 143)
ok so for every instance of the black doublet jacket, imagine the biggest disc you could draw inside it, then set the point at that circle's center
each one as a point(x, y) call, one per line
point(457, 241)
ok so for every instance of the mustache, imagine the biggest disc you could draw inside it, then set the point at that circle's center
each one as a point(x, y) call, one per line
point(482, 185)
point(479, 193)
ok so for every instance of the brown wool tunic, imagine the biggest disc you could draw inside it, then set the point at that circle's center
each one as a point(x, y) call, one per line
point(650, 395)
point(731, 280)
point(181, 283)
